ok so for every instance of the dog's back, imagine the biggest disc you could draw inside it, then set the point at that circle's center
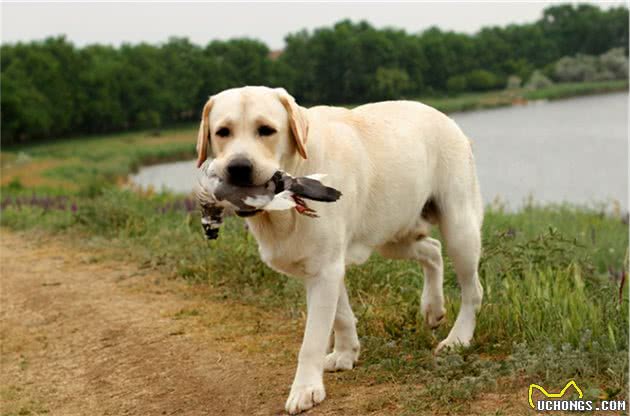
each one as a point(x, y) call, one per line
point(410, 154)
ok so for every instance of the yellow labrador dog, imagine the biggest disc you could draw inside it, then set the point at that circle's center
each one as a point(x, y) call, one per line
point(400, 165)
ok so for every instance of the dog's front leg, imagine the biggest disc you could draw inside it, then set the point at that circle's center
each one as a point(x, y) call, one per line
point(322, 292)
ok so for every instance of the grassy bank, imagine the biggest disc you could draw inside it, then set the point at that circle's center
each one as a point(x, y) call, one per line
point(85, 164)
point(552, 276)
point(506, 98)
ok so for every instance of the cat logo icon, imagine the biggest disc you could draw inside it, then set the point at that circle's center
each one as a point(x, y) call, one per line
point(552, 395)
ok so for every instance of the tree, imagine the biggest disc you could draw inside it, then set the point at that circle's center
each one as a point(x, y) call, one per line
point(389, 84)
point(51, 88)
point(482, 80)
point(456, 84)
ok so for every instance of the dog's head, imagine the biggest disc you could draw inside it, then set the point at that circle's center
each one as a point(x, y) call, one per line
point(250, 132)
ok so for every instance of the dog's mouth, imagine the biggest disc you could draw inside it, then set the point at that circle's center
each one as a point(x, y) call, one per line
point(274, 181)
point(246, 184)
point(274, 184)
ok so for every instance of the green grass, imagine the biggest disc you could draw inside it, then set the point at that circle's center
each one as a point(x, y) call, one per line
point(84, 164)
point(502, 98)
point(572, 89)
point(551, 310)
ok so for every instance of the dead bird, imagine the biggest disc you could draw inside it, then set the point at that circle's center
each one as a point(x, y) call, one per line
point(281, 192)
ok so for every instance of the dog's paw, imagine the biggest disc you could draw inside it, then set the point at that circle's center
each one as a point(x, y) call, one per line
point(451, 342)
point(434, 313)
point(303, 398)
point(462, 332)
point(341, 360)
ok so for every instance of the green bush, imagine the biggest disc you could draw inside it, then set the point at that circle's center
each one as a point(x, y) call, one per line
point(390, 83)
point(615, 62)
point(583, 68)
point(513, 82)
point(481, 80)
point(149, 119)
point(538, 81)
point(456, 84)
point(578, 68)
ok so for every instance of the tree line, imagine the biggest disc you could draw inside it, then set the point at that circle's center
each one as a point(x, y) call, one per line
point(52, 88)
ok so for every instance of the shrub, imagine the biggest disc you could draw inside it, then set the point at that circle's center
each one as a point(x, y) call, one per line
point(390, 83)
point(481, 80)
point(513, 82)
point(576, 69)
point(608, 66)
point(604, 75)
point(456, 84)
point(149, 119)
point(615, 62)
point(538, 81)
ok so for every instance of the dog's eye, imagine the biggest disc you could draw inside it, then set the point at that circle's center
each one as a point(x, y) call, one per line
point(264, 131)
point(223, 132)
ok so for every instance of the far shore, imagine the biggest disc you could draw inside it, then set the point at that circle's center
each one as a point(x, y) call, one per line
point(521, 96)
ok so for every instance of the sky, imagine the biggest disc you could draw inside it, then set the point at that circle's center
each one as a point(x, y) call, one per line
point(114, 23)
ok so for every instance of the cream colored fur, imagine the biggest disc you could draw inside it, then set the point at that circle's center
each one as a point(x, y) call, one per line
point(389, 160)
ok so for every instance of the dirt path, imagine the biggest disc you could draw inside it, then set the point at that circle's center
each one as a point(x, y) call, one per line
point(86, 336)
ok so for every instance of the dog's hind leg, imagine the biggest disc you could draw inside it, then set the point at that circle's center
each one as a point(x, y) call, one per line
point(427, 251)
point(461, 228)
point(346, 347)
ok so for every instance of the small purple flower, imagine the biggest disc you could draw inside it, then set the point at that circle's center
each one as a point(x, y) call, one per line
point(189, 204)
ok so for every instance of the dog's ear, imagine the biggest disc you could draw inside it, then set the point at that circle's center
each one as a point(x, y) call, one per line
point(203, 137)
point(297, 120)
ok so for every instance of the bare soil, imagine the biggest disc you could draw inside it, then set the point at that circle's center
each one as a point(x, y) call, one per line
point(84, 335)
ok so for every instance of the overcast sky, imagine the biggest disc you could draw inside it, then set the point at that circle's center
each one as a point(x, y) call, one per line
point(115, 23)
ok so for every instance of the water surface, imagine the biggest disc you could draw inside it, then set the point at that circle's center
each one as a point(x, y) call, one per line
point(573, 150)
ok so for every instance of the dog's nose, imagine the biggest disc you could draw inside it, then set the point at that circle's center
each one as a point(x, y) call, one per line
point(240, 171)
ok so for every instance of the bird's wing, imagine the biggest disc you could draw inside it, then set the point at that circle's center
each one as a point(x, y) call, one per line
point(283, 200)
point(258, 201)
point(205, 188)
point(313, 189)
